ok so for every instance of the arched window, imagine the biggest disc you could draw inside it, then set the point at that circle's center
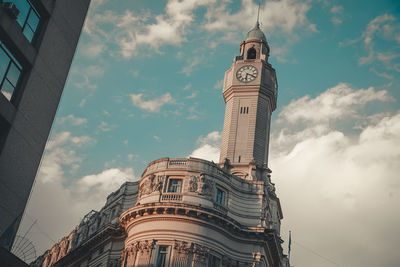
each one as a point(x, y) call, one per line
point(251, 53)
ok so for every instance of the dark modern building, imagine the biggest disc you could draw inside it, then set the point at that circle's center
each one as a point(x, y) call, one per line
point(38, 39)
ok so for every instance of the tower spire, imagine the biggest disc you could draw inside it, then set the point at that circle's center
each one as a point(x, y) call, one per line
point(258, 14)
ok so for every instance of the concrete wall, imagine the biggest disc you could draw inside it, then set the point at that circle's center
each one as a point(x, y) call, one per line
point(30, 114)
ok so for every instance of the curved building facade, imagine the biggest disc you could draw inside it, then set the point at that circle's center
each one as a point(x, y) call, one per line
point(191, 212)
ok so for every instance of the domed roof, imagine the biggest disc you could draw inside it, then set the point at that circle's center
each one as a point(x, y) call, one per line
point(256, 33)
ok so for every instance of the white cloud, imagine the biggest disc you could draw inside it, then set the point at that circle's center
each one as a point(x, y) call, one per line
point(157, 138)
point(208, 147)
point(70, 199)
point(336, 9)
point(101, 184)
point(105, 127)
point(188, 69)
point(82, 103)
point(284, 14)
point(346, 178)
point(335, 103)
point(349, 186)
point(336, 21)
point(132, 30)
point(94, 71)
point(382, 74)
point(187, 87)
point(152, 105)
point(218, 85)
point(92, 50)
point(168, 29)
point(85, 83)
point(378, 28)
point(191, 96)
point(387, 57)
point(134, 73)
point(71, 120)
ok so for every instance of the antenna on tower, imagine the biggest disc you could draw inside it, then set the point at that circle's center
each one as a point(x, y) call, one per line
point(258, 13)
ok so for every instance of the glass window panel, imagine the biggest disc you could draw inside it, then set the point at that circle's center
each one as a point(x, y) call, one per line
point(7, 90)
point(162, 256)
point(4, 61)
point(175, 186)
point(23, 7)
point(28, 33)
point(13, 74)
point(33, 20)
point(220, 198)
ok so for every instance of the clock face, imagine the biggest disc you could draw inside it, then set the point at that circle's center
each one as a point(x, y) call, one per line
point(247, 73)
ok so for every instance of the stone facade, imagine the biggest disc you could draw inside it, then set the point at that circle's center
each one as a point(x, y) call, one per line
point(241, 228)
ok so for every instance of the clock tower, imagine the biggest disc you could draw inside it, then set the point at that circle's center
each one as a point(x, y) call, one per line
point(250, 93)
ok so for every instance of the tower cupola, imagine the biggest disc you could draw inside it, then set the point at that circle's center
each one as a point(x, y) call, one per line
point(256, 33)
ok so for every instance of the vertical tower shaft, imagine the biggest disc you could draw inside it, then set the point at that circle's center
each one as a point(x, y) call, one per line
point(250, 92)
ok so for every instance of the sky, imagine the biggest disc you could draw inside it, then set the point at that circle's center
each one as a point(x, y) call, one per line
point(146, 83)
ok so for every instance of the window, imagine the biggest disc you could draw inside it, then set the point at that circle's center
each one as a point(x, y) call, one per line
point(244, 110)
point(213, 261)
point(251, 53)
point(10, 71)
point(220, 197)
point(28, 17)
point(175, 186)
point(162, 259)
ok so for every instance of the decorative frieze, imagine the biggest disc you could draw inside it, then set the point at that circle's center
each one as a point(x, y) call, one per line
point(193, 183)
point(152, 184)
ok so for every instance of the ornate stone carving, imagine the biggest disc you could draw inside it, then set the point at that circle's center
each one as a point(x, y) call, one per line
point(193, 183)
point(182, 247)
point(144, 246)
point(146, 187)
point(271, 189)
point(152, 184)
point(200, 251)
point(206, 185)
point(157, 183)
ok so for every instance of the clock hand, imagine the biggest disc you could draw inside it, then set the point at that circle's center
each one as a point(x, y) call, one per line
point(252, 75)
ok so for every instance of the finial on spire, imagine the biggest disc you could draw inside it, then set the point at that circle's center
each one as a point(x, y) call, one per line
point(258, 14)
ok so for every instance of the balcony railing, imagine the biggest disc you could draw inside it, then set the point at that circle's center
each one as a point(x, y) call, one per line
point(171, 197)
point(178, 162)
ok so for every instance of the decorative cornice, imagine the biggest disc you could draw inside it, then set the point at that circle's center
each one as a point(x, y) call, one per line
point(189, 211)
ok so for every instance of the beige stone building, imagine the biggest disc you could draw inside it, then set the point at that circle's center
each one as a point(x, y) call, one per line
point(192, 212)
